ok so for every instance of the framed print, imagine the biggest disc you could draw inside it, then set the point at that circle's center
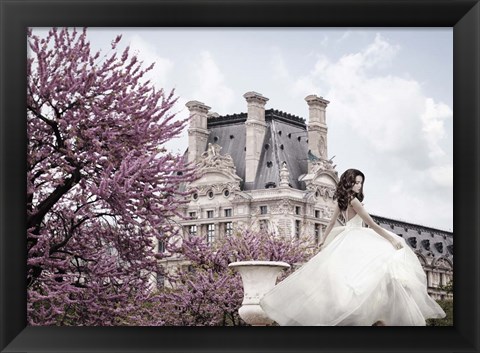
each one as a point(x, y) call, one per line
point(18, 16)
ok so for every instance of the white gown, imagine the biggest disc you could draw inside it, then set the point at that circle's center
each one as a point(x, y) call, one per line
point(357, 279)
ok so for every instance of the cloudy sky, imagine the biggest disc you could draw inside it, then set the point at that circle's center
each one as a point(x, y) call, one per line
point(391, 94)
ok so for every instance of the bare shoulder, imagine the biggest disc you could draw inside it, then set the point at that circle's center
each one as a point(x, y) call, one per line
point(356, 203)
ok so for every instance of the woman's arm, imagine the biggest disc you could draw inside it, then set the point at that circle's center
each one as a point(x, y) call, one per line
point(332, 221)
point(330, 225)
point(358, 207)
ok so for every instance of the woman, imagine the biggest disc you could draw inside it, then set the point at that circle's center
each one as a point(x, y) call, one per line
point(361, 277)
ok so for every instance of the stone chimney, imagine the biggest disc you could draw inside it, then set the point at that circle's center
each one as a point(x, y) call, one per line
point(317, 127)
point(197, 132)
point(255, 133)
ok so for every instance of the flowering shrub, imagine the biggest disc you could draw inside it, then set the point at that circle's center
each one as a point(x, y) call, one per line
point(208, 292)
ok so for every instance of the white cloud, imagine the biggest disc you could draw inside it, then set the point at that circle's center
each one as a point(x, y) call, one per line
point(210, 85)
point(390, 112)
point(303, 87)
point(179, 144)
point(433, 125)
point(345, 35)
point(380, 52)
point(399, 129)
point(149, 54)
point(278, 65)
point(325, 40)
point(442, 175)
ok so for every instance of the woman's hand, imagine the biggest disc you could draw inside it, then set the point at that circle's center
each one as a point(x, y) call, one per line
point(397, 244)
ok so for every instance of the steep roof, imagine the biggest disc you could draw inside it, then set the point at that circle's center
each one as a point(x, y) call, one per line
point(285, 141)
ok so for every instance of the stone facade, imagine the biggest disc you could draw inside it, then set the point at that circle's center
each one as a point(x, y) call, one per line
point(434, 249)
point(266, 169)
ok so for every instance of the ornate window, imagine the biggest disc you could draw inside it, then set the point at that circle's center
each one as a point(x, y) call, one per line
point(413, 242)
point(210, 233)
point(317, 233)
point(210, 214)
point(426, 244)
point(317, 213)
point(228, 229)
point(160, 279)
point(192, 215)
point(298, 209)
point(228, 212)
point(297, 229)
point(161, 246)
point(439, 247)
point(192, 230)
point(263, 209)
point(262, 224)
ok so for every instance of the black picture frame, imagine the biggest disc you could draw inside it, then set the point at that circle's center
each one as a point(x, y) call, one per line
point(462, 15)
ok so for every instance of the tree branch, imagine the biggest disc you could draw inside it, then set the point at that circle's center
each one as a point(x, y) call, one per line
point(52, 199)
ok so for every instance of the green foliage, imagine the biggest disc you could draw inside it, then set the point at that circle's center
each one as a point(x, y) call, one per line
point(448, 287)
point(447, 306)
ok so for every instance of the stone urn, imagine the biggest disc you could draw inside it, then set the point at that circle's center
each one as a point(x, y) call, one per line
point(258, 278)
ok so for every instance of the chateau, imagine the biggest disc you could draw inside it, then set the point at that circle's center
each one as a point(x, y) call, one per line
point(268, 169)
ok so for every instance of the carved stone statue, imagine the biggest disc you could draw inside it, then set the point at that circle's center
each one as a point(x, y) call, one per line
point(284, 175)
point(212, 158)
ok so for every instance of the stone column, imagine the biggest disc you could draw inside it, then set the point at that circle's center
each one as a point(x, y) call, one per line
point(197, 132)
point(317, 127)
point(255, 133)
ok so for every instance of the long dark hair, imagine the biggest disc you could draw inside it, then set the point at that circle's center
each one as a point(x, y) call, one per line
point(344, 193)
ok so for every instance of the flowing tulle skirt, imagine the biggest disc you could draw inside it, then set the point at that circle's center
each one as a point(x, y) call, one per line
point(356, 280)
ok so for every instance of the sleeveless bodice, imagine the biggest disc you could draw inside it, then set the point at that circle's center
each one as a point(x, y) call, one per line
point(355, 221)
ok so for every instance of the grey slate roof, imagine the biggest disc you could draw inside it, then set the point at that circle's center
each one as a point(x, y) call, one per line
point(285, 140)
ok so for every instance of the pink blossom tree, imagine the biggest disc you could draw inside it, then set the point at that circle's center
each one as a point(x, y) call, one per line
point(101, 186)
